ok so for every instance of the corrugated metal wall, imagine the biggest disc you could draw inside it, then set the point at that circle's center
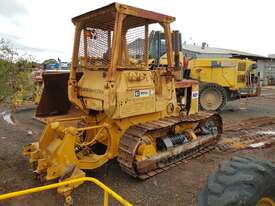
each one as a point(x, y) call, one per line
point(267, 71)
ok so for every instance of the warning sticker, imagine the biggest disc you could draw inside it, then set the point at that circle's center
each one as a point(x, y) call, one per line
point(195, 95)
point(143, 93)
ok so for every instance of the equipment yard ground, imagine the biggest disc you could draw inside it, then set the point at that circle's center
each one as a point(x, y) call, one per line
point(178, 186)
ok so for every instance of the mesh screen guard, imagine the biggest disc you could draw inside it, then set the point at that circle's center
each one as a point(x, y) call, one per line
point(95, 49)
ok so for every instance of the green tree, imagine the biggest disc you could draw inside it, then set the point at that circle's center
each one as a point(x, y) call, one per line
point(50, 61)
point(15, 72)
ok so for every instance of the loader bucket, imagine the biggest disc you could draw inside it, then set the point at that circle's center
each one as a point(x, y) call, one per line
point(54, 99)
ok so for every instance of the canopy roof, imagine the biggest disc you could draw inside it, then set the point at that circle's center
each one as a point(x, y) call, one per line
point(104, 17)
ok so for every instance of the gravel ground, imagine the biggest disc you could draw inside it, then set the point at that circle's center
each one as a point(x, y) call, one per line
point(178, 186)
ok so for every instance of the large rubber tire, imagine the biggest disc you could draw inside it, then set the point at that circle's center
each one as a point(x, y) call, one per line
point(216, 90)
point(241, 181)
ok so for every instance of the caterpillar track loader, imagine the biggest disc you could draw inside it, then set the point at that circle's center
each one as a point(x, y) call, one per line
point(127, 110)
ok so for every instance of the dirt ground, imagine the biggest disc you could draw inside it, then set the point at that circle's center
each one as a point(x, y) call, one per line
point(178, 186)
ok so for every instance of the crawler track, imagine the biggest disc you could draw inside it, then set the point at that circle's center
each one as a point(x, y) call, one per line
point(248, 124)
point(144, 169)
point(242, 134)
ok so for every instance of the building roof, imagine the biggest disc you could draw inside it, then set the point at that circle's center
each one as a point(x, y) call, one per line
point(214, 50)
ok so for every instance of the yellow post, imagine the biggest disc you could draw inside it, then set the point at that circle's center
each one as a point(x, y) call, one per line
point(106, 198)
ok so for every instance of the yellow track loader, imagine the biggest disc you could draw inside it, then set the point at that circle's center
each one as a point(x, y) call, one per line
point(127, 110)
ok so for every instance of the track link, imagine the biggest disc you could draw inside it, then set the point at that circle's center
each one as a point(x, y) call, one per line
point(132, 139)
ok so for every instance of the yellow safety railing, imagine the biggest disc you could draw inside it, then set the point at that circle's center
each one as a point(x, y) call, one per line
point(107, 190)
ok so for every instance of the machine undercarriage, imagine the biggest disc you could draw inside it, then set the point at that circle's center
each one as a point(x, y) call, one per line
point(150, 148)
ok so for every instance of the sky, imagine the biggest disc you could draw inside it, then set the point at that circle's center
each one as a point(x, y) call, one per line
point(44, 28)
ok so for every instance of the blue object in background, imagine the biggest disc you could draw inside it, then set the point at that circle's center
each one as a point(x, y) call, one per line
point(58, 66)
point(215, 64)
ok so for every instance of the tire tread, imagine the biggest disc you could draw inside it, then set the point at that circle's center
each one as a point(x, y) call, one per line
point(240, 181)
